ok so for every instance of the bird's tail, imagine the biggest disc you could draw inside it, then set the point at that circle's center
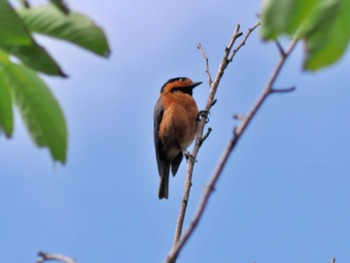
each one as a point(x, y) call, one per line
point(164, 181)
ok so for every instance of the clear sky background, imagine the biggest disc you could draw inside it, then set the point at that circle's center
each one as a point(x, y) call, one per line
point(283, 197)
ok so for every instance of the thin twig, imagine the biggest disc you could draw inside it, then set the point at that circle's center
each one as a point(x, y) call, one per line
point(266, 91)
point(206, 135)
point(280, 48)
point(59, 257)
point(178, 244)
point(206, 63)
point(188, 182)
point(250, 30)
point(285, 90)
point(238, 132)
point(238, 116)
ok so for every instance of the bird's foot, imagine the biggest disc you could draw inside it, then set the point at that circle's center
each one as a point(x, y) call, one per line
point(189, 156)
point(203, 114)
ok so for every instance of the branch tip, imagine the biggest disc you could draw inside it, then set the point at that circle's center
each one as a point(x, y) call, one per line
point(43, 256)
point(206, 135)
point(237, 28)
point(284, 90)
point(250, 30)
point(206, 63)
point(238, 116)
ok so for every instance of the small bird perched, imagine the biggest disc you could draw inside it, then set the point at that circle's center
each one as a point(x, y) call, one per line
point(175, 127)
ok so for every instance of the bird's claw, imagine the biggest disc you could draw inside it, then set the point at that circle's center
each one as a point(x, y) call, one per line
point(203, 114)
point(189, 156)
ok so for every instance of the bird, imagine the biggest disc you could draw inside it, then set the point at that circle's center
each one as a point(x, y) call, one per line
point(175, 127)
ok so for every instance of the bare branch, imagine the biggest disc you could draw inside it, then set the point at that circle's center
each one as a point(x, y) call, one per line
point(285, 90)
point(238, 116)
point(206, 135)
point(280, 48)
point(266, 91)
point(178, 244)
point(250, 30)
point(238, 132)
point(49, 257)
point(206, 63)
point(235, 36)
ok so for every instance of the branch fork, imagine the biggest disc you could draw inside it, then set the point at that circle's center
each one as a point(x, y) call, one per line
point(213, 84)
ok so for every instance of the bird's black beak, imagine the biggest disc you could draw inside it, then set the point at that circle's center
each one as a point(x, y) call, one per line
point(196, 84)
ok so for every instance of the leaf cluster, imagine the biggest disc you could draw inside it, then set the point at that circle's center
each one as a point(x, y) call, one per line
point(323, 25)
point(20, 85)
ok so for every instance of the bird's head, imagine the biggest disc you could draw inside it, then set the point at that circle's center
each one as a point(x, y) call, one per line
point(184, 85)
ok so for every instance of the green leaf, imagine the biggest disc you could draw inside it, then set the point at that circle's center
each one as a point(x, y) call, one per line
point(37, 58)
point(74, 27)
point(328, 39)
point(12, 30)
point(40, 110)
point(324, 25)
point(61, 6)
point(16, 39)
point(6, 112)
point(285, 16)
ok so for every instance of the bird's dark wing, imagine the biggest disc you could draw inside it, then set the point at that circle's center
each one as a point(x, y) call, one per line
point(157, 117)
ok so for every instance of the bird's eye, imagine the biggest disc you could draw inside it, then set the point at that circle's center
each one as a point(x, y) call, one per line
point(182, 79)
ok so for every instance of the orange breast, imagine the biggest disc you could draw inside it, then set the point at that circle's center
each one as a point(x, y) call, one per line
point(179, 123)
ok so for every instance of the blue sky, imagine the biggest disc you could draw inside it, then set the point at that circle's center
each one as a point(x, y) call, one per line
point(283, 197)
